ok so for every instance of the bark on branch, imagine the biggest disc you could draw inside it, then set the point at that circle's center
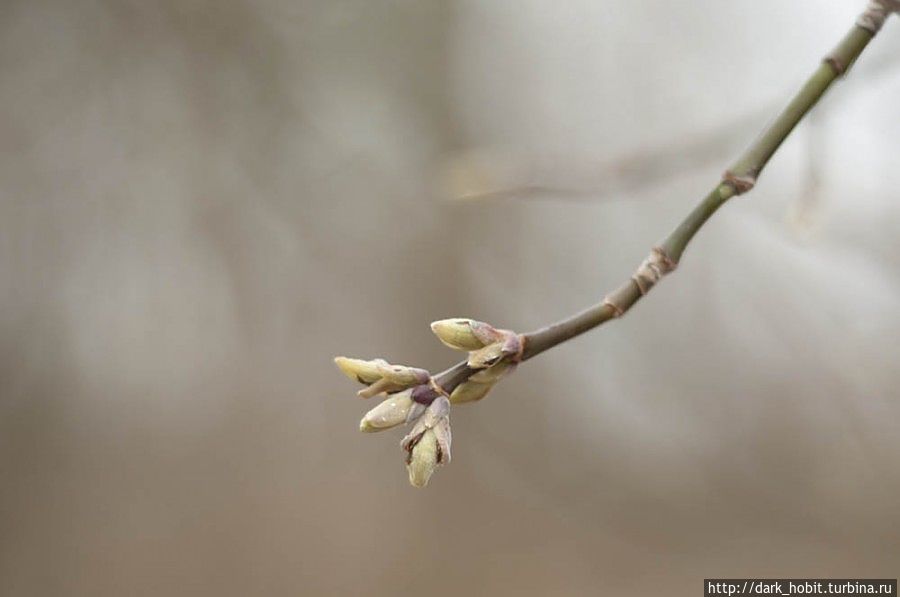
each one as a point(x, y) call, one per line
point(740, 178)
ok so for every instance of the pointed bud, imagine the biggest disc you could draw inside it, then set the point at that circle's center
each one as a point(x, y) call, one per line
point(486, 357)
point(495, 373)
point(443, 436)
point(362, 371)
point(381, 386)
point(470, 391)
point(402, 375)
point(465, 334)
point(423, 459)
point(509, 345)
point(428, 444)
point(391, 412)
point(380, 376)
point(479, 384)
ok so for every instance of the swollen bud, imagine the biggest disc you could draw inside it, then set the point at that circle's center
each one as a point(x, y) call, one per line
point(402, 375)
point(465, 334)
point(391, 412)
point(423, 459)
point(470, 391)
point(479, 384)
point(428, 444)
point(362, 371)
point(509, 345)
point(494, 373)
point(380, 376)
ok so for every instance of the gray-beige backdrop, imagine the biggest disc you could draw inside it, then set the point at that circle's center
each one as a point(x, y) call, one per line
point(201, 203)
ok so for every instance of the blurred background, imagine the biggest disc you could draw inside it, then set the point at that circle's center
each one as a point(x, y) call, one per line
point(201, 203)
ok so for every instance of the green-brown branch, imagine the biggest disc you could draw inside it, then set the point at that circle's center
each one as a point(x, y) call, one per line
point(740, 178)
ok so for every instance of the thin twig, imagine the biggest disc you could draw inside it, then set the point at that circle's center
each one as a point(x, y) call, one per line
point(738, 179)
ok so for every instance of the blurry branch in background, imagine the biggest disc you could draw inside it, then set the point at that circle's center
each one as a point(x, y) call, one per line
point(804, 211)
point(491, 173)
point(415, 396)
point(499, 173)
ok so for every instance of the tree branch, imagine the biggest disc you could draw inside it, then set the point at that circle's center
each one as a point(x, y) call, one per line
point(738, 179)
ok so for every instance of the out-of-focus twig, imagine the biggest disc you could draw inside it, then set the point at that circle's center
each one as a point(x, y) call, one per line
point(804, 210)
point(503, 173)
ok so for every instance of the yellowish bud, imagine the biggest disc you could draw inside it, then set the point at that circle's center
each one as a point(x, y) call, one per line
point(465, 334)
point(479, 384)
point(362, 371)
point(400, 375)
point(470, 391)
point(423, 459)
point(494, 373)
point(428, 444)
point(487, 356)
point(380, 376)
point(382, 386)
point(391, 412)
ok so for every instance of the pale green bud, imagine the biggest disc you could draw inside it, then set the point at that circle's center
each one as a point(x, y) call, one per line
point(423, 459)
point(487, 356)
point(428, 444)
point(465, 334)
point(362, 371)
point(391, 412)
point(380, 376)
point(509, 345)
point(479, 384)
point(470, 391)
point(402, 375)
point(494, 373)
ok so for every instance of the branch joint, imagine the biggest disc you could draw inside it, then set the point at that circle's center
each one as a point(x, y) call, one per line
point(616, 309)
point(876, 14)
point(652, 269)
point(519, 355)
point(741, 183)
point(836, 65)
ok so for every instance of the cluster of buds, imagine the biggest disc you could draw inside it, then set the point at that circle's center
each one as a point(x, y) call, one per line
point(414, 397)
point(493, 352)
